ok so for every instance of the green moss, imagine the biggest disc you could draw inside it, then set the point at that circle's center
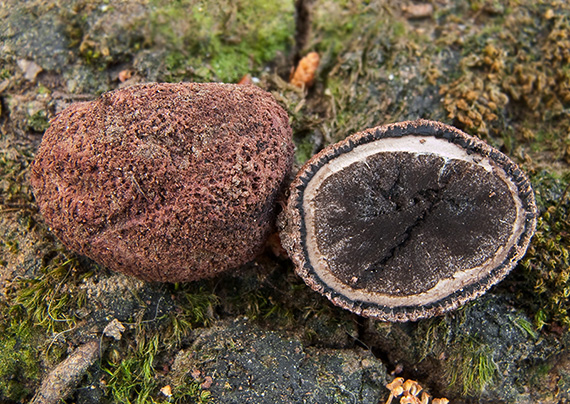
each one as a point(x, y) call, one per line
point(19, 356)
point(38, 122)
point(545, 270)
point(303, 150)
point(14, 191)
point(5, 73)
point(190, 390)
point(195, 306)
point(132, 379)
point(363, 50)
point(336, 22)
point(467, 359)
point(43, 89)
point(221, 40)
point(399, 29)
point(50, 299)
point(524, 325)
point(11, 245)
point(436, 334)
point(511, 97)
point(131, 376)
point(471, 365)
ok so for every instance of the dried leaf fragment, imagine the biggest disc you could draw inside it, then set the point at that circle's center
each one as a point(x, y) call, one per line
point(124, 75)
point(409, 391)
point(207, 383)
point(245, 80)
point(166, 390)
point(304, 75)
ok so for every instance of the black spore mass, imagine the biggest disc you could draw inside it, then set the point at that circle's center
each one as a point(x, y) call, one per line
point(398, 222)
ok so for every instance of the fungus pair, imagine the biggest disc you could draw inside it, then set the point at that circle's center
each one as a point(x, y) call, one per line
point(177, 182)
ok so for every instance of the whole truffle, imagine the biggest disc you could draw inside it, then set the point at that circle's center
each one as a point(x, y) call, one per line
point(407, 220)
point(166, 182)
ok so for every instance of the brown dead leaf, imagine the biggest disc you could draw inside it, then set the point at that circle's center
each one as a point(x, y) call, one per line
point(304, 75)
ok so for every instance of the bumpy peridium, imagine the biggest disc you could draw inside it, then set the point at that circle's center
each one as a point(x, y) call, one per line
point(166, 182)
point(407, 221)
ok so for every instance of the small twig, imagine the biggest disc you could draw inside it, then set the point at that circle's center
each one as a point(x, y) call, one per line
point(56, 337)
point(155, 313)
point(60, 381)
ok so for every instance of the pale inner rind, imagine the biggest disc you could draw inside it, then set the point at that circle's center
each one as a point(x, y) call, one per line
point(415, 145)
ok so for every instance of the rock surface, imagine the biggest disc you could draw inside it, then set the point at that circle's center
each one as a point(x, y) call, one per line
point(253, 365)
point(167, 182)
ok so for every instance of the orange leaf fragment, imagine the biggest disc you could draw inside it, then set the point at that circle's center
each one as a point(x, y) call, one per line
point(246, 80)
point(304, 75)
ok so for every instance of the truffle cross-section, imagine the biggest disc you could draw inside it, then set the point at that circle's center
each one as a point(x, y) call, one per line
point(408, 220)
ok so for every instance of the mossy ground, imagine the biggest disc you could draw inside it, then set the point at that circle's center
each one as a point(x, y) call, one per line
point(499, 70)
point(222, 40)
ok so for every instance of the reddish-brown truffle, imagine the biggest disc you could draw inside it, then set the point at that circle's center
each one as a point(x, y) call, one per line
point(407, 220)
point(166, 182)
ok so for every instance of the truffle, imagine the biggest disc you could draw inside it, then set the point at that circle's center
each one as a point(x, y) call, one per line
point(407, 221)
point(167, 182)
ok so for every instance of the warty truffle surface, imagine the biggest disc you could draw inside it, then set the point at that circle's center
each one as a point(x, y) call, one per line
point(167, 182)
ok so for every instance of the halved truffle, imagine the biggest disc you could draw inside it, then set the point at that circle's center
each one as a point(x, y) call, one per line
point(167, 182)
point(408, 220)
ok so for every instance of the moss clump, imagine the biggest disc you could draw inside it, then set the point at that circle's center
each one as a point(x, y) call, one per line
point(131, 379)
point(133, 365)
point(471, 365)
point(221, 40)
point(372, 64)
point(335, 21)
point(513, 75)
point(15, 192)
point(195, 307)
point(132, 374)
point(263, 298)
point(19, 355)
point(38, 122)
point(36, 312)
point(51, 299)
point(544, 278)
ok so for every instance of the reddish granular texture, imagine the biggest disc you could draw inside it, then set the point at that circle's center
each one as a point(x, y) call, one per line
point(167, 182)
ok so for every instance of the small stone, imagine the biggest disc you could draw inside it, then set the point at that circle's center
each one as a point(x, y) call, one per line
point(114, 329)
point(166, 182)
point(29, 68)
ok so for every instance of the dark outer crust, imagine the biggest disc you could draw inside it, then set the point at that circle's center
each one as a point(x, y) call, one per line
point(292, 231)
point(167, 182)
